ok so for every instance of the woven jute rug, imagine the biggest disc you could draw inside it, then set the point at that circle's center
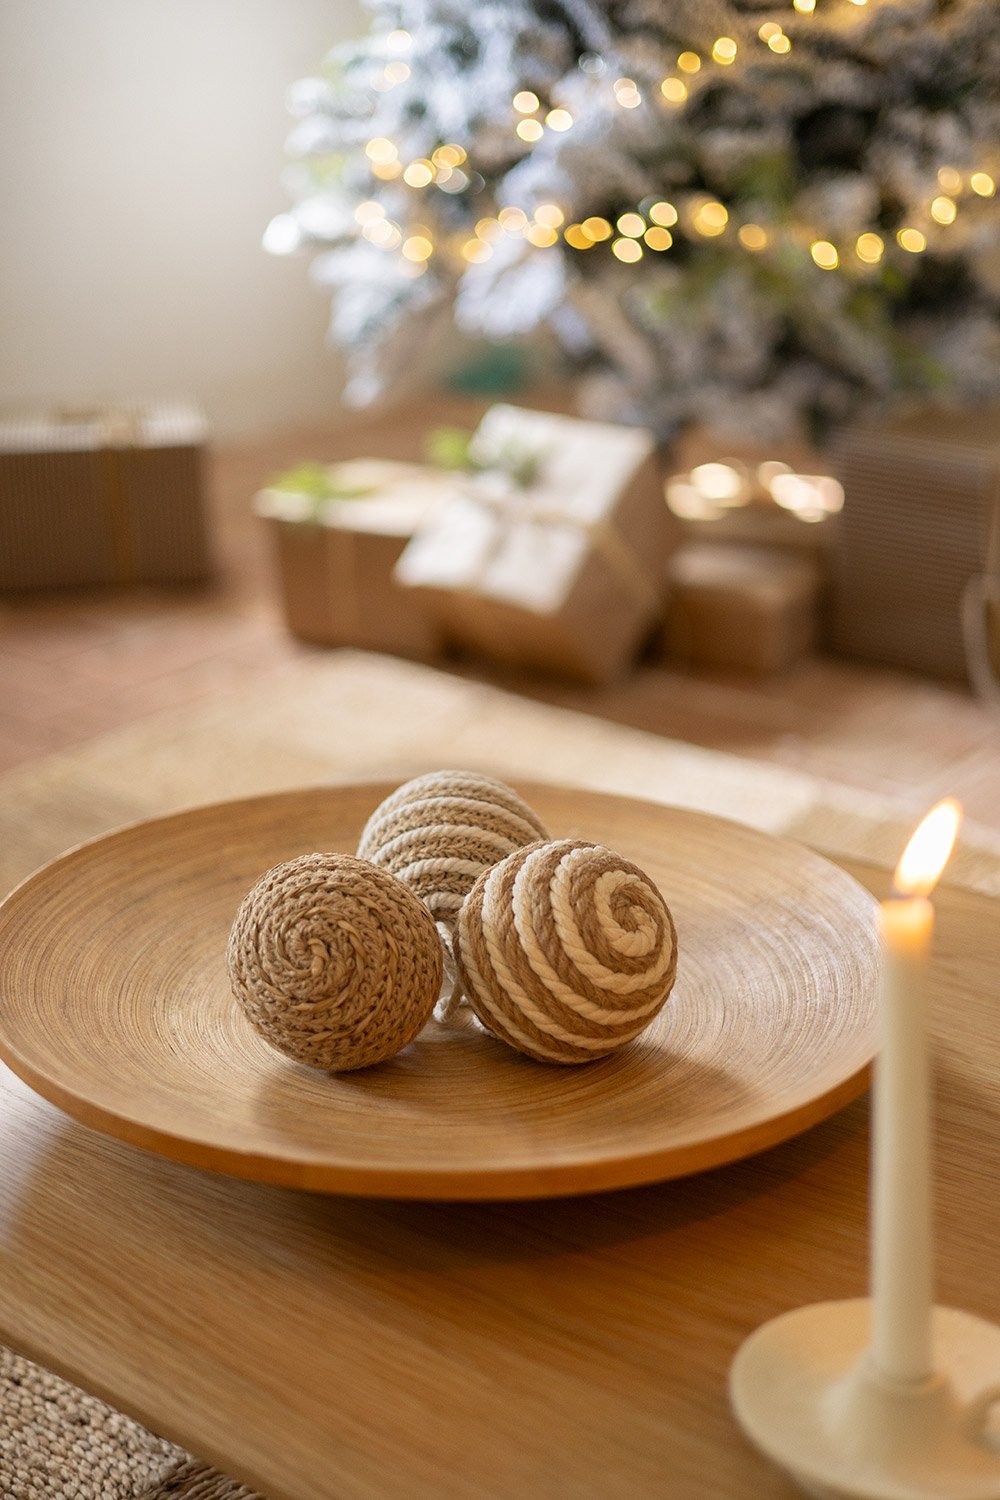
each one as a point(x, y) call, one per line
point(349, 715)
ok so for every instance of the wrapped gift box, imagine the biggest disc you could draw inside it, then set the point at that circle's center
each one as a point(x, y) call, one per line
point(109, 495)
point(562, 571)
point(919, 542)
point(336, 546)
point(742, 609)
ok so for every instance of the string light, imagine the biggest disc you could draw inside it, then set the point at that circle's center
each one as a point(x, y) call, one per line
point(752, 237)
point(626, 93)
point(598, 228)
point(474, 251)
point(949, 180)
point(489, 230)
point(559, 119)
point(526, 102)
point(577, 237)
point(513, 220)
point(398, 41)
point(780, 43)
point(632, 225)
point(418, 247)
point(382, 233)
point(869, 248)
point(804, 7)
point(824, 254)
point(418, 174)
point(768, 30)
point(724, 50)
point(673, 90)
point(983, 184)
point(387, 170)
point(663, 213)
point(529, 130)
point(710, 218)
point(943, 210)
point(658, 239)
point(540, 235)
point(396, 72)
point(549, 215)
point(912, 240)
point(381, 150)
point(627, 250)
point(689, 62)
point(368, 211)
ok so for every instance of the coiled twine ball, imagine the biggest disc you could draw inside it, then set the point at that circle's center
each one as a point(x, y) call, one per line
point(338, 965)
point(439, 832)
point(565, 950)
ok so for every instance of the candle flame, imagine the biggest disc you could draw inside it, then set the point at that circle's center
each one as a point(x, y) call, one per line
point(928, 851)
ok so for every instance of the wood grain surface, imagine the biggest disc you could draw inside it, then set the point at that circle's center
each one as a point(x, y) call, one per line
point(117, 1007)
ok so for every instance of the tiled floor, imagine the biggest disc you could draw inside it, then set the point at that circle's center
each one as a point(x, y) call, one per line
point(73, 665)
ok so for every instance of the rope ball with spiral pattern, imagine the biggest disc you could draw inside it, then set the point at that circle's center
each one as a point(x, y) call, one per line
point(566, 950)
point(439, 832)
point(337, 964)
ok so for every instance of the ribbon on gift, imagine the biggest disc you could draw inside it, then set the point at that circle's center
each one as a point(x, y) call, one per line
point(514, 506)
point(117, 429)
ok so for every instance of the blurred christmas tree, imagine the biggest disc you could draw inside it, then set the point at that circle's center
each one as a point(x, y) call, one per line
point(762, 216)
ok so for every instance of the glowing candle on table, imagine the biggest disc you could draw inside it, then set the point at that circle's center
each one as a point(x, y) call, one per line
point(902, 1238)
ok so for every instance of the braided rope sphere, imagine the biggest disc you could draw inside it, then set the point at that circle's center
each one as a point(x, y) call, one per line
point(439, 832)
point(337, 964)
point(565, 950)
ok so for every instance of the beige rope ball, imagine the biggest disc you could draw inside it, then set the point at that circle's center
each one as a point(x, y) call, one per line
point(439, 832)
point(337, 964)
point(565, 950)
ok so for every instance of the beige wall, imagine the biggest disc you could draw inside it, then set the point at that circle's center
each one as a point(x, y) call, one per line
point(141, 145)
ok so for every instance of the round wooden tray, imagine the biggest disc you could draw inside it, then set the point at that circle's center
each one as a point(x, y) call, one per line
point(115, 1005)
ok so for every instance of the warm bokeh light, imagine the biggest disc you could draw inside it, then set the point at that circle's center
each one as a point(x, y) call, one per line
point(943, 210)
point(475, 251)
point(448, 156)
point(673, 90)
point(396, 72)
point(513, 220)
point(550, 215)
point(658, 238)
point(627, 250)
point(526, 102)
point(489, 230)
point(719, 482)
point(626, 93)
point(398, 41)
point(805, 7)
point(768, 30)
point(381, 150)
point(710, 217)
point(983, 184)
point(597, 228)
point(631, 224)
point(663, 213)
point(869, 248)
point(824, 254)
point(540, 235)
point(559, 119)
point(724, 50)
point(577, 237)
point(387, 170)
point(752, 237)
point(529, 130)
point(369, 210)
point(929, 850)
point(780, 43)
point(418, 174)
point(689, 62)
point(418, 247)
point(949, 180)
point(912, 240)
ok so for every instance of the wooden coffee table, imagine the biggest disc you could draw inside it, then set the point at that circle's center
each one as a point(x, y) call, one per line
point(320, 1347)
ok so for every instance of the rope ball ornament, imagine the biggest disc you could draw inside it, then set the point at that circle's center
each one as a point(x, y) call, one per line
point(565, 950)
point(337, 964)
point(439, 832)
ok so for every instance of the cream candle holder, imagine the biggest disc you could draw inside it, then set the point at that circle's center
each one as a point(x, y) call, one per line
point(886, 1397)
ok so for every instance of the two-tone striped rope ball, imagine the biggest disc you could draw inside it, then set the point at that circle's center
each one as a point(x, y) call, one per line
point(439, 832)
point(566, 950)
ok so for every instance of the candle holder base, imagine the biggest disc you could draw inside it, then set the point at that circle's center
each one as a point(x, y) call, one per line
point(805, 1392)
